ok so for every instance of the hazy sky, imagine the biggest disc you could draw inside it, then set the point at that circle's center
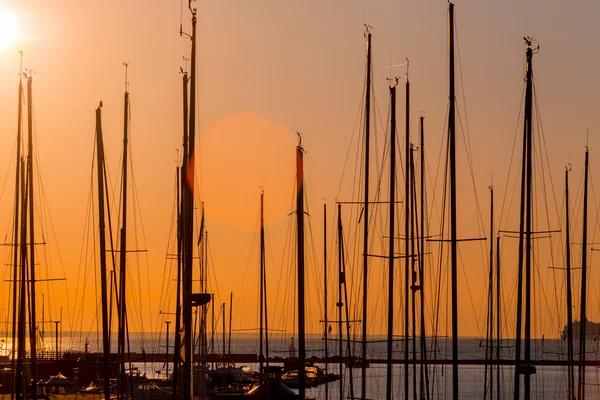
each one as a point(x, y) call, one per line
point(266, 68)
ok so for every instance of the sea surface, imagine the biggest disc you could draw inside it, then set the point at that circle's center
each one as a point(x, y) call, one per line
point(549, 382)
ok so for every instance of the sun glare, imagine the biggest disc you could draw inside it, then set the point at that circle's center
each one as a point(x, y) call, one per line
point(8, 28)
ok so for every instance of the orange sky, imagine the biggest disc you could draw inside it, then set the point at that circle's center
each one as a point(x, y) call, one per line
point(266, 68)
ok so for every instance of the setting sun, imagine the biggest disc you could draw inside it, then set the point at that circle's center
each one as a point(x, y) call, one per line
point(8, 28)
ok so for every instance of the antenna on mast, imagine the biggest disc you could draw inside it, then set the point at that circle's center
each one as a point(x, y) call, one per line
point(126, 65)
point(182, 70)
point(393, 81)
point(299, 137)
point(28, 73)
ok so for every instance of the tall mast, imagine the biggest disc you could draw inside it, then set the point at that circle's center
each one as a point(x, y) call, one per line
point(33, 324)
point(261, 355)
point(230, 321)
point(177, 333)
point(266, 322)
point(528, 230)
point(571, 378)
point(413, 274)
point(525, 236)
point(300, 237)
point(498, 315)
point(391, 256)
point(180, 233)
point(366, 219)
point(103, 281)
point(423, 339)
point(490, 321)
point(123, 248)
point(212, 334)
point(16, 223)
point(407, 274)
point(453, 235)
point(20, 382)
point(203, 240)
point(188, 244)
point(326, 323)
point(340, 302)
point(583, 315)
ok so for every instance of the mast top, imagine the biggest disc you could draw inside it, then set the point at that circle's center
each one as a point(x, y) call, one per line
point(393, 82)
point(126, 65)
point(192, 10)
point(299, 138)
point(529, 44)
point(28, 74)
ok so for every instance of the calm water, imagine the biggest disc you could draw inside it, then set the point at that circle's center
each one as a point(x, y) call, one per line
point(547, 383)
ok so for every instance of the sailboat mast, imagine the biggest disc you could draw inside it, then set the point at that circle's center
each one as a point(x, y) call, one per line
point(261, 355)
point(453, 234)
point(525, 236)
point(583, 315)
point(103, 280)
point(231, 320)
point(528, 228)
point(366, 219)
point(188, 183)
point(19, 381)
point(391, 256)
point(406, 241)
point(413, 274)
point(180, 234)
point(123, 248)
point(33, 326)
point(300, 238)
point(342, 265)
point(326, 323)
point(212, 317)
point(340, 303)
point(490, 312)
point(571, 377)
point(266, 323)
point(177, 333)
point(16, 223)
point(423, 340)
point(498, 316)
